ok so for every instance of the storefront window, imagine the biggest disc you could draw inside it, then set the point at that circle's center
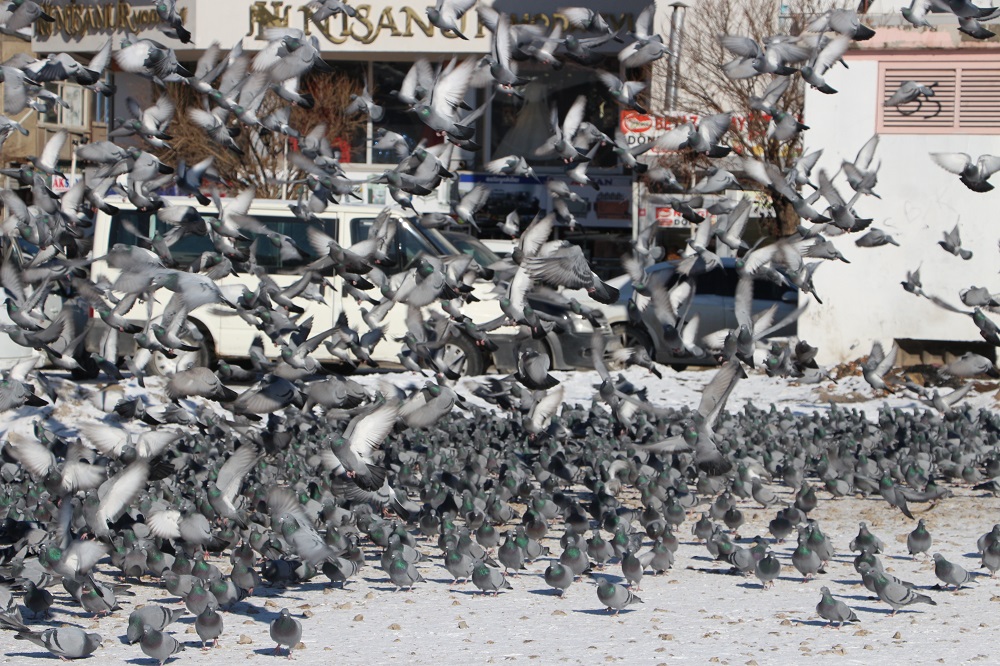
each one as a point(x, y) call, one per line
point(521, 125)
point(348, 135)
point(72, 115)
point(398, 117)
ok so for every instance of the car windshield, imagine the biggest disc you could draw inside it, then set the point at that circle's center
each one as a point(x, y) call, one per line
point(483, 255)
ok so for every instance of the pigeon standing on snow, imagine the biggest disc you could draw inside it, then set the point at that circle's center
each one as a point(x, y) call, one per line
point(615, 596)
point(892, 591)
point(866, 542)
point(834, 610)
point(156, 616)
point(158, 645)
point(559, 577)
point(488, 579)
point(209, 626)
point(64, 642)
point(285, 630)
point(767, 570)
point(919, 540)
point(950, 573)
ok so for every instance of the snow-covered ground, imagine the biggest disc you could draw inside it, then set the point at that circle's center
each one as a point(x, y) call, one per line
point(696, 613)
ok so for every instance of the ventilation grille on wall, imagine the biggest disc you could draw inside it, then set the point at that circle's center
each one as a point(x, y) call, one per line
point(966, 98)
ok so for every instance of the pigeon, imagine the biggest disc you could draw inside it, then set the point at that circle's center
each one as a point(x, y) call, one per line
point(447, 15)
point(892, 494)
point(567, 267)
point(767, 570)
point(403, 574)
point(488, 579)
point(974, 175)
point(952, 244)
point(66, 642)
point(834, 610)
point(615, 597)
point(558, 577)
point(950, 573)
point(806, 560)
point(877, 365)
point(908, 91)
point(157, 616)
point(157, 645)
point(893, 592)
point(365, 432)
point(866, 542)
point(208, 625)
point(919, 540)
point(285, 630)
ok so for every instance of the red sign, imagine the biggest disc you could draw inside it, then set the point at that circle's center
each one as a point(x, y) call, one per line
point(635, 122)
point(668, 217)
point(638, 128)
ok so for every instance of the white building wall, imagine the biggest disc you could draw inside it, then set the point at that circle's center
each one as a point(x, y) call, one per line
point(863, 301)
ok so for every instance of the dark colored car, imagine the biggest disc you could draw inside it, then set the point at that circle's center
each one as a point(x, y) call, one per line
point(713, 302)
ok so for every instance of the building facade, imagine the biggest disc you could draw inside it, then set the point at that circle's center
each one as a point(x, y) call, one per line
point(378, 45)
point(864, 300)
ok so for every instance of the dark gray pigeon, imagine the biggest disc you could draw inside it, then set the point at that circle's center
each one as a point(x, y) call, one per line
point(209, 626)
point(974, 175)
point(285, 630)
point(559, 577)
point(767, 570)
point(919, 540)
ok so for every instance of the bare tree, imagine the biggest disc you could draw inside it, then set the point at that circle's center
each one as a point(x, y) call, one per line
point(263, 162)
point(704, 88)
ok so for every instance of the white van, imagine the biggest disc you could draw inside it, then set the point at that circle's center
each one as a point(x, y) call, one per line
point(223, 334)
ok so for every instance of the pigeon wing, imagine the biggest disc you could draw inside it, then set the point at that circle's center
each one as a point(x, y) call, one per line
point(954, 162)
point(235, 469)
point(366, 433)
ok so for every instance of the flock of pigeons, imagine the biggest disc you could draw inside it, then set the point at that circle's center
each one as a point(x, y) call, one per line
point(300, 477)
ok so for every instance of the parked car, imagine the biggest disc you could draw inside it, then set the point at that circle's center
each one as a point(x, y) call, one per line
point(217, 332)
point(713, 302)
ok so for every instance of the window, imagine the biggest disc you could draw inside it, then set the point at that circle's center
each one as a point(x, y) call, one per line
point(388, 77)
point(966, 96)
point(268, 256)
point(189, 248)
point(521, 125)
point(74, 114)
point(409, 244)
point(102, 103)
point(348, 135)
point(717, 282)
point(470, 245)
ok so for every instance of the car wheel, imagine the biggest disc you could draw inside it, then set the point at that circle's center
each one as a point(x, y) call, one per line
point(679, 367)
point(462, 354)
point(88, 368)
point(624, 335)
point(162, 365)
